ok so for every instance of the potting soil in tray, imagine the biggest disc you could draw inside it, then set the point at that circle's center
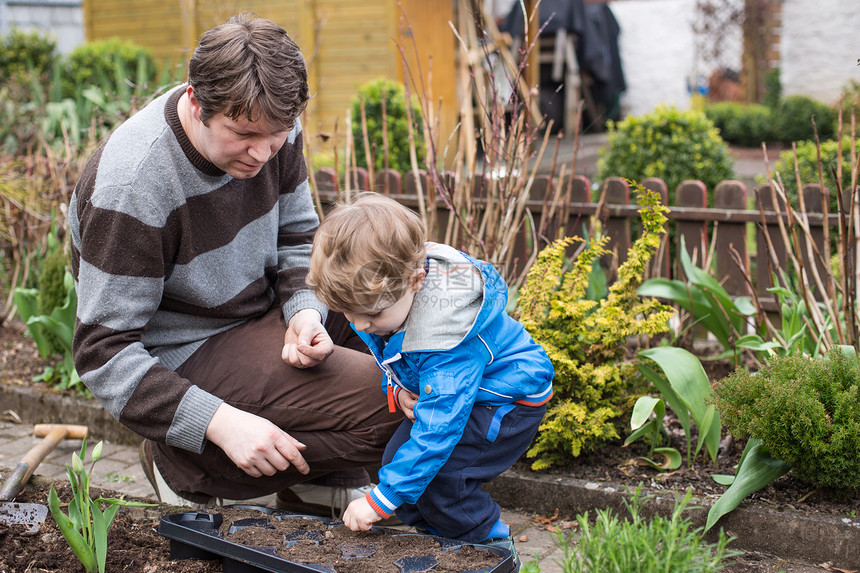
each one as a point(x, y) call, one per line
point(250, 538)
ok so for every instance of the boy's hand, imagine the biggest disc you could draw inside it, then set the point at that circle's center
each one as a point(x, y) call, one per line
point(359, 516)
point(407, 401)
point(306, 342)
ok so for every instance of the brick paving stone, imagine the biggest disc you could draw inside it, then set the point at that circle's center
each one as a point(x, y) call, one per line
point(17, 447)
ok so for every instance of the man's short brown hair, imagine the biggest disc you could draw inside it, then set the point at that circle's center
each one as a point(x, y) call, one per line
point(366, 253)
point(249, 67)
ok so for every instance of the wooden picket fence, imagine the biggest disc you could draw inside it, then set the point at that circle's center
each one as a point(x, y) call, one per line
point(722, 230)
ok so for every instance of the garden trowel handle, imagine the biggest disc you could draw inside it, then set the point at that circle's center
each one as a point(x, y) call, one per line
point(52, 434)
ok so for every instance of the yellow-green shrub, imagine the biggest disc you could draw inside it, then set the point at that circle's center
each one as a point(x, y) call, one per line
point(586, 340)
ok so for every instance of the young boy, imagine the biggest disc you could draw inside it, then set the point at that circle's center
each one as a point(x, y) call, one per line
point(471, 381)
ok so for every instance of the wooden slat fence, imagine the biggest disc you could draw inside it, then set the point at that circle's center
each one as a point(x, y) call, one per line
point(727, 222)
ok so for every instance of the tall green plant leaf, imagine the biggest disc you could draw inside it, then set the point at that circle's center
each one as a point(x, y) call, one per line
point(27, 302)
point(688, 379)
point(694, 301)
point(757, 469)
point(671, 397)
point(729, 311)
point(705, 299)
point(76, 541)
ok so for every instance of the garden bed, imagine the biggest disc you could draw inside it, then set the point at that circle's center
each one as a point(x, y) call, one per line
point(134, 546)
point(134, 541)
point(249, 538)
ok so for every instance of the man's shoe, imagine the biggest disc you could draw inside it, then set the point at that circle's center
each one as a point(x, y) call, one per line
point(325, 501)
point(162, 490)
point(506, 543)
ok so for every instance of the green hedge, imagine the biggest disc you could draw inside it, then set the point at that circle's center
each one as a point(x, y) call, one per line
point(24, 51)
point(741, 124)
point(114, 65)
point(668, 143)
point(396, 122)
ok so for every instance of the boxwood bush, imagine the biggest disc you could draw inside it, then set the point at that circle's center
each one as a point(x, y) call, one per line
point(22, 51)
point(106, 63)
point(807, 165)
point(747, 125)
point(793, 119)
point(668, 143)
point(805, 411)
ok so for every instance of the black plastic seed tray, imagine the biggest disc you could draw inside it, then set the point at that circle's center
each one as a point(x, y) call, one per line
point(197, 535)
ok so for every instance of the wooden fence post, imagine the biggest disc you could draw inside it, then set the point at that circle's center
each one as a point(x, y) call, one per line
point(326, 179)
point(448, 181)
point(764, 265)
point(692, 193)
point(388, 182)
point(576, 223)
point(617, 228)
point(731, 235)
point(545, 227)
point(359, 179)
point(411, 187)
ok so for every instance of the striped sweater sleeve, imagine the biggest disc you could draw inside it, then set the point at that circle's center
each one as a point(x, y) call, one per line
point(167, 251)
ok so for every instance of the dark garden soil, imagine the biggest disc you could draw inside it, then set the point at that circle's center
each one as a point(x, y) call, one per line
point(136, 547)
point(313, 541)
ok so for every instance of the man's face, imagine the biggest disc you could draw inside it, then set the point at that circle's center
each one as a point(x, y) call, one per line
point(238, 147)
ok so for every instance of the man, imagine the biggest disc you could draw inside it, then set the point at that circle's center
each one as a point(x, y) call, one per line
point(191, 234)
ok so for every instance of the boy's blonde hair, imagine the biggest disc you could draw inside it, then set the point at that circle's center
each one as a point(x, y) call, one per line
point(366, 253)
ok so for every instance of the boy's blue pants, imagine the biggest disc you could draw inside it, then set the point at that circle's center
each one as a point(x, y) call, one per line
point(454, 504)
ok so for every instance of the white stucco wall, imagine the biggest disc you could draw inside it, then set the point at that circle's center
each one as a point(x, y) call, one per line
point(820, 47)
point(657, 55)
point(819, 50)
point(61, 19)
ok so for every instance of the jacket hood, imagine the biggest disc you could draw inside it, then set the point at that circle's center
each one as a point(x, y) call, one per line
point(457, 297)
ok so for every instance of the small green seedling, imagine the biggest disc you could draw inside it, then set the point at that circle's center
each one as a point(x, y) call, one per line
point(86, 526)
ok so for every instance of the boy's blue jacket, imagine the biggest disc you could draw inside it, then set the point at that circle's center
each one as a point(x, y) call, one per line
point(458, 349)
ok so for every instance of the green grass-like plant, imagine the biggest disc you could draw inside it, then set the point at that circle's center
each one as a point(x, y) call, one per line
point(805, 412)
point(647, 423)
point(87, 525)
point(659, 544)
point(756, 469)
point(53, 333)
point(586, 339)
point(706, 300)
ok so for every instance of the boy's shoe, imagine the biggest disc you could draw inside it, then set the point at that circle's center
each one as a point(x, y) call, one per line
point(323, 500)
point(505, 543)
point(162, 490)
